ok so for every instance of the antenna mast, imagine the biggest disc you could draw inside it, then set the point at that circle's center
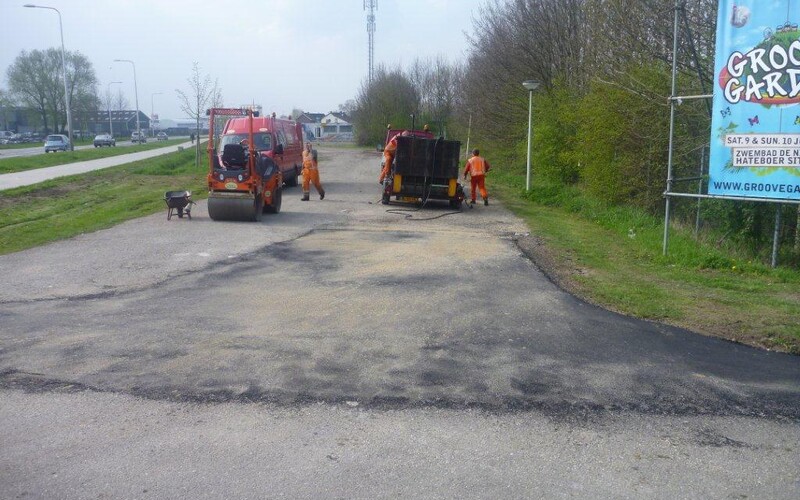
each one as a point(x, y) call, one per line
point(371, 6)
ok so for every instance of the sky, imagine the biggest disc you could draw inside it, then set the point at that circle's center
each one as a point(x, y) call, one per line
point(282, 54)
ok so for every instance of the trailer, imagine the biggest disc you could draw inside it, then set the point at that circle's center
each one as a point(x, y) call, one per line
point(424, 169)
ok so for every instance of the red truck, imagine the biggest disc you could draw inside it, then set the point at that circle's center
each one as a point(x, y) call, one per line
point(277, 138)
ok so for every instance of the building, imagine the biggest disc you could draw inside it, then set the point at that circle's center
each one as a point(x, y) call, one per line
point(312, 125)
point(123, 122)
point(336, 127)
point(333, 126)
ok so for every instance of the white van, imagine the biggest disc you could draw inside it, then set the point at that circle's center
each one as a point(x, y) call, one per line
point(138, 137)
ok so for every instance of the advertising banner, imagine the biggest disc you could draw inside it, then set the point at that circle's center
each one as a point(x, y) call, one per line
point(755, 129)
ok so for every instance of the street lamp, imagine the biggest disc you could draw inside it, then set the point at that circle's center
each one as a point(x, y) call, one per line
point(110, 125)
point(136, 93)
point(530, 85)
point(151, 110)
point(63, 69)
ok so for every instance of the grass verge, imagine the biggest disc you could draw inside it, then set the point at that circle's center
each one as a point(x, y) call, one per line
point(612, 256)
point(67, 206)
point(22, 163)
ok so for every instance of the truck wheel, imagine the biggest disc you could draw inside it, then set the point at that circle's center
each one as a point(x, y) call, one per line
point(277, 198)
point(291, 181)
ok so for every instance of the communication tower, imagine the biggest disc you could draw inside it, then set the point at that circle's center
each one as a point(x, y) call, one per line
point(371, 6)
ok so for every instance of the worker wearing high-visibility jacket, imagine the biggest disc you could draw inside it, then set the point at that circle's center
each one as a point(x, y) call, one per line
point(311, 173)
point(477, 166)
point(388, 155)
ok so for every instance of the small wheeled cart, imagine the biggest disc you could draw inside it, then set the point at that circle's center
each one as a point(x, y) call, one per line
point(179, 202)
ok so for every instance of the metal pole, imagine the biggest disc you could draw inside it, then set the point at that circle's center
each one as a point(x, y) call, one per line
point(528, 167)
point(63, 71)
point(136, 93)
point(672, 104)
point(152, 130)
point(110, 123)
point(776, 236)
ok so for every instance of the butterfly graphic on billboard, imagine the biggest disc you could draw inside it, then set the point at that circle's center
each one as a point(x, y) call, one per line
point(726, 112)
point(753, 120)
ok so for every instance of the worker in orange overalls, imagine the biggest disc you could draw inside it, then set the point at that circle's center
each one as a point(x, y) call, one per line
point(388, 155)
point(311, 173)
point(477, 166)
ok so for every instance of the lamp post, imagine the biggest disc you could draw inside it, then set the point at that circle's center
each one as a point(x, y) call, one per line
point(63, 69)
point(530, 85)
point(151, 110)
point(136, 93)
point(110, 125)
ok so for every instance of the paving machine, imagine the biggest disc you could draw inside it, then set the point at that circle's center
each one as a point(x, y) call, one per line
point(243, 181)
point(424, 168)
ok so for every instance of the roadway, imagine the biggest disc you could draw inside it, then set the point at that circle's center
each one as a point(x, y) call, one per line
point(39, 148)
point(338, 349)
point(37, 175)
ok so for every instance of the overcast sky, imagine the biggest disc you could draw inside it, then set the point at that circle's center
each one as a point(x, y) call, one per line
point(282, 54)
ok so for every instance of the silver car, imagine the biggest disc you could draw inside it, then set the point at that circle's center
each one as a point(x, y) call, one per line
point(104, 140)
point(56, 142)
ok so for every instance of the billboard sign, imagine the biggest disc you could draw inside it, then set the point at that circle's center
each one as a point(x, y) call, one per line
point(755, 128)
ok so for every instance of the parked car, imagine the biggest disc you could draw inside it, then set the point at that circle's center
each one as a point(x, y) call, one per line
point(162, 136)
point(56, 142)
point(104, 140)
point(139, 137)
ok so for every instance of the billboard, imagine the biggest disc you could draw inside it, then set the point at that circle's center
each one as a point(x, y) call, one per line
point(755, 128)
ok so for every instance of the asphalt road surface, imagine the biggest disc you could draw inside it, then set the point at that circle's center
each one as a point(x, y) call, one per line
point(38, 149)
point(338, 349)
point(37, 175)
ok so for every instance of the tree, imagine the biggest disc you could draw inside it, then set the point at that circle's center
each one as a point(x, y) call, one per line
point(201, 92)
point(6, 105)
point(119, 102)
point(35, 78)
point(389, 99)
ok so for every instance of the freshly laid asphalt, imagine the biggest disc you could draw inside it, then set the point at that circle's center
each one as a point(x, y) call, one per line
point(380, 351)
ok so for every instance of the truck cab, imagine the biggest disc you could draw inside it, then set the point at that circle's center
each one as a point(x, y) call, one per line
point(279, 139)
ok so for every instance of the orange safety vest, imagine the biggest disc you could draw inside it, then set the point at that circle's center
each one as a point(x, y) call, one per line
point(476, 166)
point(391, 148)
point(308, 160)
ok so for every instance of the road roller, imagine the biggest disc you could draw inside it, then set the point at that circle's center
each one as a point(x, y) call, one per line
point(243, 180)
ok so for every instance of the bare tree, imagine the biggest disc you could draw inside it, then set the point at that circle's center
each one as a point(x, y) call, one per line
point(193, 102)
point(119, 102)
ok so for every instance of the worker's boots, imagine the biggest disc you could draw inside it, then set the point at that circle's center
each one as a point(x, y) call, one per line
point(322, 195)
point(305, 197)
point(486, 202)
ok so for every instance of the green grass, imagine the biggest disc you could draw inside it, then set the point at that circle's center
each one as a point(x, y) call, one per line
point(68, 206)
point(22, 163)
point(612, 256)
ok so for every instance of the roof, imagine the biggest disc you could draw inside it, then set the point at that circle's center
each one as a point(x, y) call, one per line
point(119, 116)
point(310, 117)
point(339, 118)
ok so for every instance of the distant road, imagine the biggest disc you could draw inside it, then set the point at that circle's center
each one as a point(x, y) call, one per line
point(39, 149)
point(28, 177)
